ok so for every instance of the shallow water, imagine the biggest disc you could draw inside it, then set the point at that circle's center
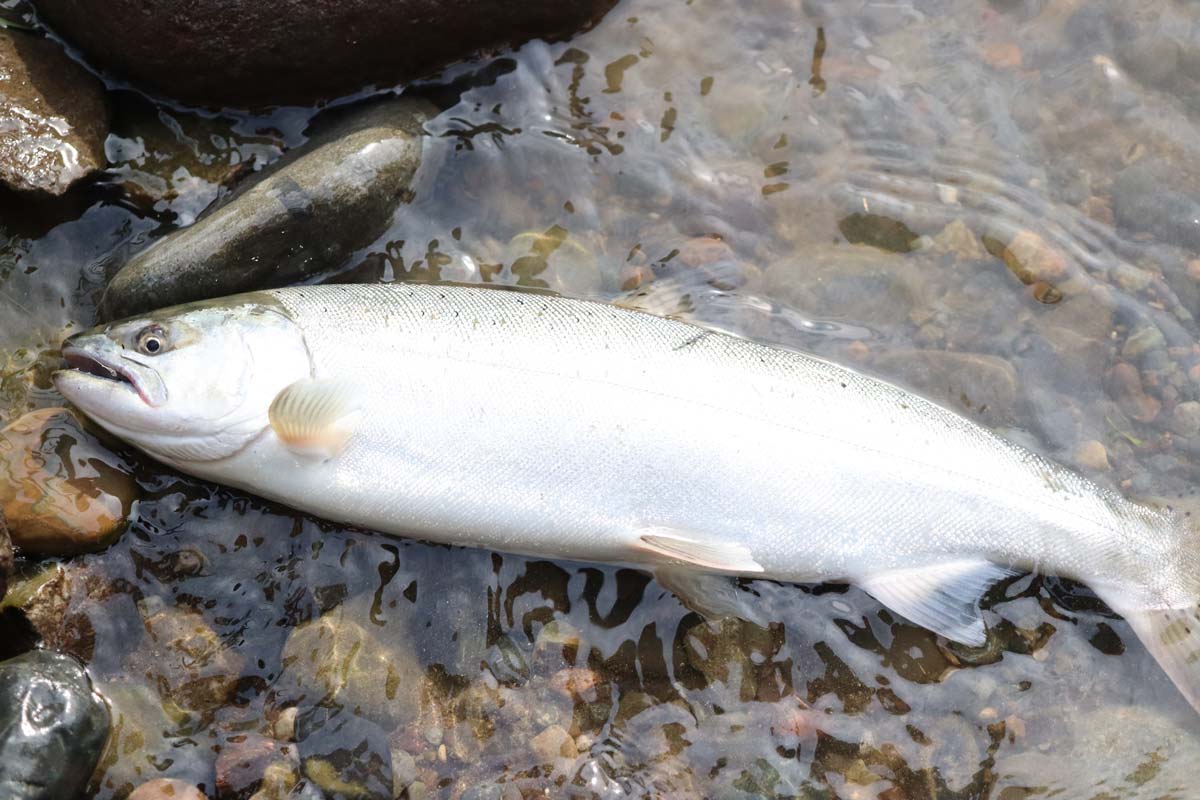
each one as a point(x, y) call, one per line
point(950, 195)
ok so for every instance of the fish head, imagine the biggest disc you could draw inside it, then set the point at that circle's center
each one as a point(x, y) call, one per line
point(187, 384)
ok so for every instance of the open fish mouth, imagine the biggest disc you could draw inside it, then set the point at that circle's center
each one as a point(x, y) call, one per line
point(89, 364)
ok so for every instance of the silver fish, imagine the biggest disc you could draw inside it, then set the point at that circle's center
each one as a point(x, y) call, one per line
point(559, 428)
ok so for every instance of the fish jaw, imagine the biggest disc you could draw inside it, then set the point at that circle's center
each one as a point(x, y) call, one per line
point(107, 384)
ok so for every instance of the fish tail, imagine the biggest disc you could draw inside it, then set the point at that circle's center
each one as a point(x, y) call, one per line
point(1165, 613)
point(1173, 637)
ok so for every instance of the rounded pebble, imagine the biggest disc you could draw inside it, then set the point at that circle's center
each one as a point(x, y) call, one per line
point(167, 789)
point(1092, 455)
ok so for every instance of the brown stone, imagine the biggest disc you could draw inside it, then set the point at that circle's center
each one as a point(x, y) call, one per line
point(245, 760)
point(334, 661)
point(186, 660)
point(53, 116)
point(251, 53)
point(61, 489)
point(46, 600)
point(1092, 455)
point(1124, 385)
point(972, 382)
point(575, 681)
point(167, 789)
point(1032, 260)
point(553, 743)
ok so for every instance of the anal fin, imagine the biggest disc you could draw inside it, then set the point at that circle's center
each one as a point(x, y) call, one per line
point(943, 597)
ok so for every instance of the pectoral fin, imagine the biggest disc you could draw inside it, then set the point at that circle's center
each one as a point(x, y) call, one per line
point(675, 547)
point(315, 418)
point(942, 597)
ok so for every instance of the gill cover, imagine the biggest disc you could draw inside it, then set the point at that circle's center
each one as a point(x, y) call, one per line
point(191, 383)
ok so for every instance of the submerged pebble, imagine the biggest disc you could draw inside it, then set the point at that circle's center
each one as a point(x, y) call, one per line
point(185, 658)
point(251, 762)
point(167, 789)
point(334, 662)
point(64, 491)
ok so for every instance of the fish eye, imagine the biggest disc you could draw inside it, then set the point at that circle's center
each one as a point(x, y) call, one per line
point(151, 340)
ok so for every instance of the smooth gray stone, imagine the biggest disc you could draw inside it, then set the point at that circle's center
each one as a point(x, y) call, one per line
point(53, 727)
point(304, 215)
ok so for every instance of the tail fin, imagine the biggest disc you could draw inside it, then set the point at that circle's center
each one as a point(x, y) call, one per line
point(1172, 635)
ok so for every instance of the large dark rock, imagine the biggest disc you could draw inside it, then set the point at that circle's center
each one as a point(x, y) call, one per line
point(52, 727)
point(255, 53)
point(305, 214)
point(53, 116)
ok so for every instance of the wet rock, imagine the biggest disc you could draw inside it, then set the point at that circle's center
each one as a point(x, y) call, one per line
point(53, 116)
point(857, 284)
point(1152, 60)
point(45, 600)
point(1031, 259)
point(185, 658)
point(1131, 751)
point(167, 789)
point(878, 231)
point(575, 682)
point(1077, 358)
point(959, 240)
point(552, 744)
point(1092, 455)
point(334, 662)
point(52, 727)
point(348, 757)
point(1153, 196)
point(977, 383)
point(248, 762)
point(305, 214)
point(296, 51)
point(146, 733)
point(280, 781)
point(6, 556)
point(1124, 385)
point(1142, 341)
point(404, 771)
point(1185, 419)
point(491, 790)
point(64, 492)
point(283, 727)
